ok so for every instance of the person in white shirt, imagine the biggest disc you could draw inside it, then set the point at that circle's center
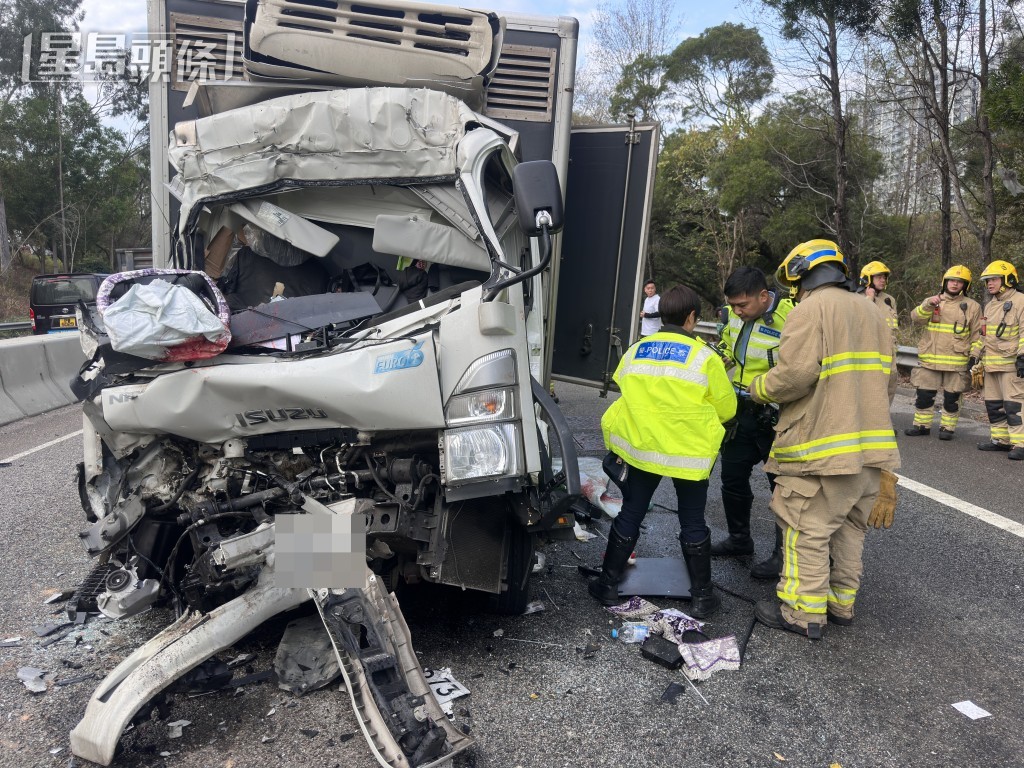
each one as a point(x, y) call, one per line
point(650, 318)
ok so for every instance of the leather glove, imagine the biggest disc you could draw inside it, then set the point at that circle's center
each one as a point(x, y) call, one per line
point(884, 511)
point(978, 375)
point(1020, 366)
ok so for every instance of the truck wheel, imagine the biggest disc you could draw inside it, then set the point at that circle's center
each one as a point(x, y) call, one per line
point(513, 600)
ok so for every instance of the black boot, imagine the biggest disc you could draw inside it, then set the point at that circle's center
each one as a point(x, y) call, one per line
point(605, 587)
point(737, 517)
point(772, 567)
point(703, 600)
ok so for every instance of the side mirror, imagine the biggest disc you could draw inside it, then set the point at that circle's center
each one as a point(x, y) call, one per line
point(536, 190)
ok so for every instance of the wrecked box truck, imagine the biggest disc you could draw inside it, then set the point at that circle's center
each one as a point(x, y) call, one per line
point(395, 176)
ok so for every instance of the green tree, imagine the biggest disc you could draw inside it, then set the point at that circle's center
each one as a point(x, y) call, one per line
point(721, 74)
point(820, 26)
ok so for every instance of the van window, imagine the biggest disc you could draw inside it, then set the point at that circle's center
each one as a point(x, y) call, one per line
point(64, 290)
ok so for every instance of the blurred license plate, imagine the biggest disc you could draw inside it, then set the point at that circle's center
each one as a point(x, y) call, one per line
point(67, 322)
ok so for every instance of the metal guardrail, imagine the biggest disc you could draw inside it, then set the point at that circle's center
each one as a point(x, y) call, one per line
point(906, 357)
point(21, 325)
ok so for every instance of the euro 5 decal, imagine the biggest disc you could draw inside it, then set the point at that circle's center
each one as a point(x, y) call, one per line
point(397, 361)
point(672, 351)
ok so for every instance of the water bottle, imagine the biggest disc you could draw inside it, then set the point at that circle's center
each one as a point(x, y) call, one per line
point(632, 632)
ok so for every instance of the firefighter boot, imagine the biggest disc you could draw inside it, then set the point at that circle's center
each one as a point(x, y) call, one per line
point(770, 568)
point(703, 600)
point(737, 517)
point(605, 587)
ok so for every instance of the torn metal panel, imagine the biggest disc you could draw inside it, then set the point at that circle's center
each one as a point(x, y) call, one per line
point(305, 659)
point(328, 138)
point(356, 206)
point(177, 649)
point(387, 43)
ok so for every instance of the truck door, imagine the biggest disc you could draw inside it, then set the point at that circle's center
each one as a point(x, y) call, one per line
point(609, 192)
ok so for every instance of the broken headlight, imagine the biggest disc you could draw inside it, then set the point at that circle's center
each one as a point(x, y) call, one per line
point(486, 398)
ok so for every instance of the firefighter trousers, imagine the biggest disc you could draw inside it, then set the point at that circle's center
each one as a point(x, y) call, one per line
point(928, 383)
point(1004, 399)
point(822, 517)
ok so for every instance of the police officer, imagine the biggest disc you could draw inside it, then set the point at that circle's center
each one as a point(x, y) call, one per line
point(667, 423)
point(833, 440)
point(751, 331)
point(1003, 360)
point(948, 348)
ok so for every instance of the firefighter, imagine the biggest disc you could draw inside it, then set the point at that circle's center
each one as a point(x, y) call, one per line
point(833, 440)
point(1003, 360)
point(948, 349)
point(874, 279)
point(668, 423)
point(752, 326)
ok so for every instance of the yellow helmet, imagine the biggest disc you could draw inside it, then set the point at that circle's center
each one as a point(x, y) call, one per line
point(871, 269)
point(806, 257)
point(958, 272)
point(1003, 269)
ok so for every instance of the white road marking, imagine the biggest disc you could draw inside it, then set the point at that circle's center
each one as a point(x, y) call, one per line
point(1010, 526)
point(30, 451)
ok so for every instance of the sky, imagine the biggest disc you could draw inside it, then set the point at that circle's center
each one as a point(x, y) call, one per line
point(130, 15)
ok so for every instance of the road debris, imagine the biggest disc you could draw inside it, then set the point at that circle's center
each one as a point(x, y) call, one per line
point(701, 660)
point(11, 642)
point(445, 688)
point(548, 596)
point(174, 729)
point(634, 608)
point(72, 680)
point(971, 710)
point(537, 606)
point(59, 596)
point(499, 633)
point(672, 693)
point(32, 678)
point(305, 659)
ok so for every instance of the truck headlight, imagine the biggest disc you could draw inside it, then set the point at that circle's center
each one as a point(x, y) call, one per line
point(478, 453)
point(486, 405)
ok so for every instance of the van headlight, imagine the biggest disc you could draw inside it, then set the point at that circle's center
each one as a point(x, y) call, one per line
point(480, 453)
point(487, 399)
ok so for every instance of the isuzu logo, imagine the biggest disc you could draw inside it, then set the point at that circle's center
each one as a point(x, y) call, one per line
point(266, 415)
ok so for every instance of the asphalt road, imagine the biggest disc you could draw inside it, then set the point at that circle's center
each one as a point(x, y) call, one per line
point(938, 622)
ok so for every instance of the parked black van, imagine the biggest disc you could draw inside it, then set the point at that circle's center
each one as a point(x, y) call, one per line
point(53, 298)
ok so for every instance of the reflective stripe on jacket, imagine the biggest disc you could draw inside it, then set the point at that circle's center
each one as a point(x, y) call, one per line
point(887, 306)
point(675, 396)
point(764, 336)
point(832, 381)
point(1001, 330)
point(951, 335)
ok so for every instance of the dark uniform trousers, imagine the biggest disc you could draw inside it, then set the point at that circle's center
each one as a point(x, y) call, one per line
point(748, 447)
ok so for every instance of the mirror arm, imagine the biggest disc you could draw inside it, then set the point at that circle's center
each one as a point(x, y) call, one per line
point(543, 222)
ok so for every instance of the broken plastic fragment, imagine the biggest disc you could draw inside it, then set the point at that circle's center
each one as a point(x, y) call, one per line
point(672, 693)
point(499, 632)
point(582, 535)
point(56, 750)
point(32, 678)
point(305, 659)
point(779, 757)
point(174, 729)
point(537, 606)
point(267, 739)
point(11, 642)
point(444, 687)
point(971, 710)
point(272, 711)
point(538, 562)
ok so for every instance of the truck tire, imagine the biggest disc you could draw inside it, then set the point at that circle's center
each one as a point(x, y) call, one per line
point(513, 600)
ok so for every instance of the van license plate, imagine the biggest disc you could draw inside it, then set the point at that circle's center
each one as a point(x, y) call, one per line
point(67, 322)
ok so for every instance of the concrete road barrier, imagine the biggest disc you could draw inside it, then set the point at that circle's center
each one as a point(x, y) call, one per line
point(35, 372)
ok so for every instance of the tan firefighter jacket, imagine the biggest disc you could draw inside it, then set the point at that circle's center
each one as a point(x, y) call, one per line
point(832, 379)
point(951, 335)
point(887, 305)
point(1001, 323)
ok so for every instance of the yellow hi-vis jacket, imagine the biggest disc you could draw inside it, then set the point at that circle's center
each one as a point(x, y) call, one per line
point(764, 338)
point(832, 382)
point(1004, 315)
point(675, 396)
point(951, 335)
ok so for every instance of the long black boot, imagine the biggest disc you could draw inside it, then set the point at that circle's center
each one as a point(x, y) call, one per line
point(737, 517)
point(772, 567)
point(606, 586)
point(703, 600)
